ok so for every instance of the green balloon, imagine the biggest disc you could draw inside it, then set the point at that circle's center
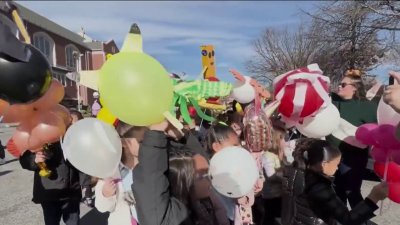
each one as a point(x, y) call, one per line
point(136, 88)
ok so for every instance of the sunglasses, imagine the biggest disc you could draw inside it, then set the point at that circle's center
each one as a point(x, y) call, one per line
point(343, 85)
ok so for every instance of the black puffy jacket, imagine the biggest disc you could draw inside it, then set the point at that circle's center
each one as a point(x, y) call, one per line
point(319, 204)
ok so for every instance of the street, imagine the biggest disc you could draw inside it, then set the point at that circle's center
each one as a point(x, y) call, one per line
point(16, 207)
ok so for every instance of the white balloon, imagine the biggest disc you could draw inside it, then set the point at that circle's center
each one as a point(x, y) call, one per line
point(233, 172)
point(322, 124)
point(386, 114)
point(93, 147)
point(243, 92)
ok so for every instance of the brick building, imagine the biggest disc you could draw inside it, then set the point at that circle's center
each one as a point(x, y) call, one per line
point(67, 52)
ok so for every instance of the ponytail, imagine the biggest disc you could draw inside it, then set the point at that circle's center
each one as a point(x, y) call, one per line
point(310, 152)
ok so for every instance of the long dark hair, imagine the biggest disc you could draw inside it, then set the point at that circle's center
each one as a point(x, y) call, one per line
point(181, 175)
point(311, 152)
point(217, 133)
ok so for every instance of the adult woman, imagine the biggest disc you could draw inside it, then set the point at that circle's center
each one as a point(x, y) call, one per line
point(319, 204)
point(354, 111)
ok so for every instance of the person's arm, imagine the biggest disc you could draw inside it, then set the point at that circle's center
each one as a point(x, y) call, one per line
point(155, 206)
point(324, 199)
point(27, 161)
point(102, 203)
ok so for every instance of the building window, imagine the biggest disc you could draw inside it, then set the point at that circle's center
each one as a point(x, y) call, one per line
point(71, 56)
point(46, 45)
point(113, 49)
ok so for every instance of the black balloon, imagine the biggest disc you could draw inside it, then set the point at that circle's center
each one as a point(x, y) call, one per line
point(23, 82)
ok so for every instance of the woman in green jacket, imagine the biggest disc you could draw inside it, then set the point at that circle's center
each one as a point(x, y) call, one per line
point(354, 110)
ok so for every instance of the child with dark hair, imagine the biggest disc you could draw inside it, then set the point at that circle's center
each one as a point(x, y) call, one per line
point(218, 137)
point(319, 204)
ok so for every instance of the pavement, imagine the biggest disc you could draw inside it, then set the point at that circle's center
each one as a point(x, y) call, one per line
point(16, 207)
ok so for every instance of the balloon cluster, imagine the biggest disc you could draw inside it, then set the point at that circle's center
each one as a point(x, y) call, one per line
point(382, 139)
point(28, 95)
point(385, 152)
point(392, 178)
point(305, 101)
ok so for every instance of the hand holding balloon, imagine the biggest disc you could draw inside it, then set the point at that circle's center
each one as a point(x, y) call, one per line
point(379, 192)
point(109, 188)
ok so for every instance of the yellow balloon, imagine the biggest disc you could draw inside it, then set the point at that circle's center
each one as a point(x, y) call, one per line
point(135, 88)
point(106, 116)
point(239, 108)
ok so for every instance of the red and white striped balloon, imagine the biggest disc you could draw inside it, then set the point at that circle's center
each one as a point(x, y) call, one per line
point(302, 92)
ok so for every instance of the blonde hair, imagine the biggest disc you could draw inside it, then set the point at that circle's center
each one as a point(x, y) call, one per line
point(355, 76)
point(278, 134)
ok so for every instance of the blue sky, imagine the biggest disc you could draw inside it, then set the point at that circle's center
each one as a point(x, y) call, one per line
point(174, 31)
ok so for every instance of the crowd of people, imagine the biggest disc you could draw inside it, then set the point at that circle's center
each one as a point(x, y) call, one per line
point(163, 174)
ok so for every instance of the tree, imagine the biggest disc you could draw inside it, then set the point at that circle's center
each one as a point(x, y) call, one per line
point(352, 35)
point(341, 35)
point(279, 51)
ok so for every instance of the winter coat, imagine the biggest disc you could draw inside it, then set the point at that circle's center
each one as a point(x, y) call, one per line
point(63, 183)
point(292, 187)
point(155, 205)
point(319, 204)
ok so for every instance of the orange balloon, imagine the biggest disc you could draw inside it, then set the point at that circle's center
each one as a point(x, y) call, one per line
point(3, 107)
point(13, 149)
point(48, 128)
point(20, 139)
point(52, 96)
point(20, 112)
point(42, 127)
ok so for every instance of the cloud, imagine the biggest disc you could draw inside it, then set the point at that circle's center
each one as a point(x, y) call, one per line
point(174, 31)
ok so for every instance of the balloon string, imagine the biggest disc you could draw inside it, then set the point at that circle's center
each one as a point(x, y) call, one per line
point(385, 179)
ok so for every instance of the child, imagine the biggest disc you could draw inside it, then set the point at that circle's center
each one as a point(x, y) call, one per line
point(238, 210)
point(319, 204)
point(114, 195)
